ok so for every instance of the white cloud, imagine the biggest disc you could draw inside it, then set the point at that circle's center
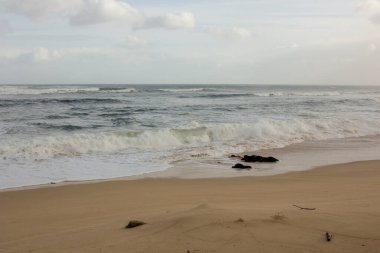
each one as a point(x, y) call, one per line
point(134, 41)
point(369, 5)
point(36, 9)
point(230, 33)
point(181, 20)
point(372, 47)
point(80, 12)
point(372, 7)
point(39, 55)
point(101, 11)
point(4, 27)
point(295, 46)
point(90, 12)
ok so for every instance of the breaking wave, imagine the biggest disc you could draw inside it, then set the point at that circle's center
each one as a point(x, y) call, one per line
point(266, 133)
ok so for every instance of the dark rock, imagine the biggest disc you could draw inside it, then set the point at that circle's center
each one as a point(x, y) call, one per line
point(259, 159)
point(328, 236)
point(235, 156)
point(240, 220)
point(241, 166)
point(271, 159)
point(135, 223)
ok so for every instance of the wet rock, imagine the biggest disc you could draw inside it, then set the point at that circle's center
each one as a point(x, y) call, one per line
point(259, 159)
point(135, 223)
point(328, 236)
point(241, 166)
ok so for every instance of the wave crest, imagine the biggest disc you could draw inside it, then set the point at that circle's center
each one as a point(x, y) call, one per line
point(266, 133)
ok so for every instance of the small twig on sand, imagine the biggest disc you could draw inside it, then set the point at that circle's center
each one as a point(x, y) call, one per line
point(304, 208)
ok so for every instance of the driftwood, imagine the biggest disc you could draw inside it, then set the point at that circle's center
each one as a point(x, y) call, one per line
point(305, 208)
point(328, 236)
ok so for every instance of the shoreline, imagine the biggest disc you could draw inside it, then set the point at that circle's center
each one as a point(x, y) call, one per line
point(201, 215)
point(303, 156)
point(163, 176)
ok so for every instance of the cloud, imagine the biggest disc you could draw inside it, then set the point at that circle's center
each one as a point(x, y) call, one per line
point(4, 27)
point(38, 55)
point(372, 47)
point(230, 33)
point(101, 11)
point(134, 41)
point(369, 5)
point(181, 20)
point(90, 12)
point(372, 7)
point(35, 9)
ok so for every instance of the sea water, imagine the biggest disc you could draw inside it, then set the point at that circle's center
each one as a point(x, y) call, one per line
point(66, 133)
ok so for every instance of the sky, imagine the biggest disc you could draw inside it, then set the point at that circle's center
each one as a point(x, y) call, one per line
point(331, 42)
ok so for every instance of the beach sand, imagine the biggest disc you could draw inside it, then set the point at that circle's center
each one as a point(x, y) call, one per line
point(247, 214)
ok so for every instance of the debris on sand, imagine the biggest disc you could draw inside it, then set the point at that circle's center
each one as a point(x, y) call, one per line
point(135, 223)
point(328, 236)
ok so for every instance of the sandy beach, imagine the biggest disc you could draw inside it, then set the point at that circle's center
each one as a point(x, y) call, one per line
point(247, 214)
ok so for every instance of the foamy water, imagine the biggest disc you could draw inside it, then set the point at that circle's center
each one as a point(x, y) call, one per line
point(60, 133)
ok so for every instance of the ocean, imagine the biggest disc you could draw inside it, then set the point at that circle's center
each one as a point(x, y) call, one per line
point(73, 133)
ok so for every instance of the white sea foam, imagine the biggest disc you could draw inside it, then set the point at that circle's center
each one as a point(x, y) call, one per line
point(267, 133)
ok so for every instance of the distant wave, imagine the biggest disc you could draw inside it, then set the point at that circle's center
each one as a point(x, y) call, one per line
point(118, 90)
point(326, 93)
point(303, 94)
point(66, 127)
point(226, 95)
point(214, 93)
point(23, 90)
point(265, 133)
point(19, 90)
point(188, 90)
point(267, 94)
point(15, 102)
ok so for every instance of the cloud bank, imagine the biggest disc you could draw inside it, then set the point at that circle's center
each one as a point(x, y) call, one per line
point(36, 9)
point(91, 12)
point(372, 7)
point(181, 20)
point(4, 27)
point(102, 11)
point(38, 55)
point(230, 33)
